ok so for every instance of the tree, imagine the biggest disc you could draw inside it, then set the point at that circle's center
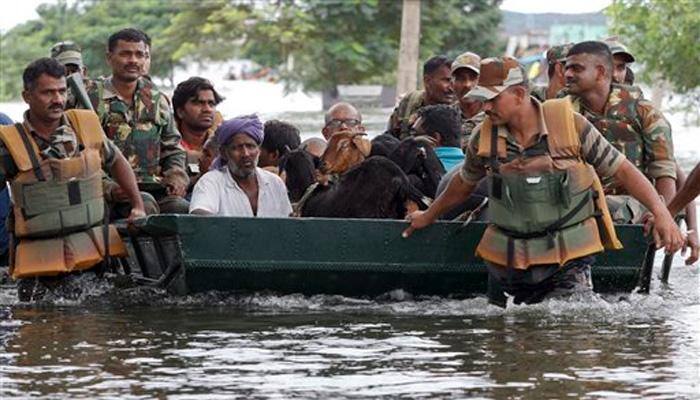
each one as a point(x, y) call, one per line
point(663, 36)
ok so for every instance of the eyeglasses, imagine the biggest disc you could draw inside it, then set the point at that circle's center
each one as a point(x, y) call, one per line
point(337, 123)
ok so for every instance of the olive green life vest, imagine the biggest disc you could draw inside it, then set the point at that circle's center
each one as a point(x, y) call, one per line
point(544, 206)
point(58, 204)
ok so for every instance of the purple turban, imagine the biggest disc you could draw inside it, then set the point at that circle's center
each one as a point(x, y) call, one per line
point(248, 124)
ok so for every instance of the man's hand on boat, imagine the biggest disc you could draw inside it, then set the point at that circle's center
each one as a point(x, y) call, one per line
point(457, 191)
point(417, 220)
point(690, 239)
point(136, 213)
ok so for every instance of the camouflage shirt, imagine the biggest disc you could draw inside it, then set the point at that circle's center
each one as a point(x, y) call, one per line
point(143, 130)
point(635, 128)
point(467, 126)
point(404, 115)
point(62, 143)
point(594, 149)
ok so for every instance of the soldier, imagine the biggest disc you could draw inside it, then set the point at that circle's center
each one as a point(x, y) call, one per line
point(621, 58)
point(622, 74)
point(138, 118)
point(194, 103)
point(437, 81)
point(52, 161)
point(556, 58)
point(630, 123)
point(70, 55)
point(465, 73)
point(539, 245)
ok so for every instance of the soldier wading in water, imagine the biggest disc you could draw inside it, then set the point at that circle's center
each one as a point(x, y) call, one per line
point(547, 211)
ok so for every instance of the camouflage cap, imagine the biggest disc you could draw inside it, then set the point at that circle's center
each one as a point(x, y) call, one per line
point(466, 60)
point(619, 49)
point(67, 53)
point(558, 53)
point(497, 74)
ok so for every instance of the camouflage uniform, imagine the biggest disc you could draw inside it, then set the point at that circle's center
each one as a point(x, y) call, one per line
point(556, 54)
point(144, 131)
point(405, 114)
point(468, 125)
point(638, 130)
point(635, 128)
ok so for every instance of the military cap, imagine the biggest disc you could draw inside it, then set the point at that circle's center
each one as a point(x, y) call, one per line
point(466, 60)
point(67, 53)
point(497, 74)
point(558, 53)
point(617, 48)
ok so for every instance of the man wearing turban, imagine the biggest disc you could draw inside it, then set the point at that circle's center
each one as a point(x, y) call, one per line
point(235, 186)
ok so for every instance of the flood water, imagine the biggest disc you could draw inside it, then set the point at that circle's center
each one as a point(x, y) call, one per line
point(133, 344)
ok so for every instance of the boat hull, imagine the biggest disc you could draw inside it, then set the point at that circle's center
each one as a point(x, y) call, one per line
point(351, 257)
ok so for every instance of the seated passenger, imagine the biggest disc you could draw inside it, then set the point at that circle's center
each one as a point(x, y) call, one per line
point(280, 138)
point(194, 106)
point(441, 123)
point(314, 146)
point(235, 186)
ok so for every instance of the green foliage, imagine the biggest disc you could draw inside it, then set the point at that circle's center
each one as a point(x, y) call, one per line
point(316, 44)
point(663, 36)
point(88, 23)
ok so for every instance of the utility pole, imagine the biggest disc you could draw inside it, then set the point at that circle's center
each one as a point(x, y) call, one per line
point(407, 71)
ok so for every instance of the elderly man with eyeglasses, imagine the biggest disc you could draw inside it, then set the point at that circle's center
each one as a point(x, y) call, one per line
point(341, 117)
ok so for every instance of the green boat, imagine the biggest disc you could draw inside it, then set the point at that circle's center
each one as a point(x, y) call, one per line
point(353, 257)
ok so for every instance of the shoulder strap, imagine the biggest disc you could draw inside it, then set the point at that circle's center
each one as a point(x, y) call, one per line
point(563, 139)
point(87, 127)
point(22, 148)
point(489, 140)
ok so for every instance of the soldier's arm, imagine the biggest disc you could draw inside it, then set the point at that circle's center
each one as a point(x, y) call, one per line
point(458, 190)
point(657, 157)
point(172, 155)
point(121, 172)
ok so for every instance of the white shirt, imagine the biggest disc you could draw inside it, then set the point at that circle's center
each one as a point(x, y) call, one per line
point(218, 193)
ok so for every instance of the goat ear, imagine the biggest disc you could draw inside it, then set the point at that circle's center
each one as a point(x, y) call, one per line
point(364, 145)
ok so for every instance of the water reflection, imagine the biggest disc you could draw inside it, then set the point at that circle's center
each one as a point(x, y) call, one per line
point(362, 352)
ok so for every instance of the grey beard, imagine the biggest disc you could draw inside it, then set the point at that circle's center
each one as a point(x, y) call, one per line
point(239, 172)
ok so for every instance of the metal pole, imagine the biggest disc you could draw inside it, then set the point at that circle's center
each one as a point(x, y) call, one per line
point(407, 71)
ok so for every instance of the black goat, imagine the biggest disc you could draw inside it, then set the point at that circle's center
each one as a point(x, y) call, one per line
point(375, 188)
point(418, 160)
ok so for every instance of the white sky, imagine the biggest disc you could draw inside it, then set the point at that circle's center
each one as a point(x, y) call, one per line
point(24, 10)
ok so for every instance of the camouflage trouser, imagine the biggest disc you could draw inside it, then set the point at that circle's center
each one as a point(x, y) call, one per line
point(540, 282)
point(625, 209)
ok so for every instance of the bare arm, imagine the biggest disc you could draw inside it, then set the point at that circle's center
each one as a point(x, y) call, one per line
point(458, 190)
point(691, 221)
point(123, 174)
point(666, 187)
point(666, 232)
point(688, 192)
